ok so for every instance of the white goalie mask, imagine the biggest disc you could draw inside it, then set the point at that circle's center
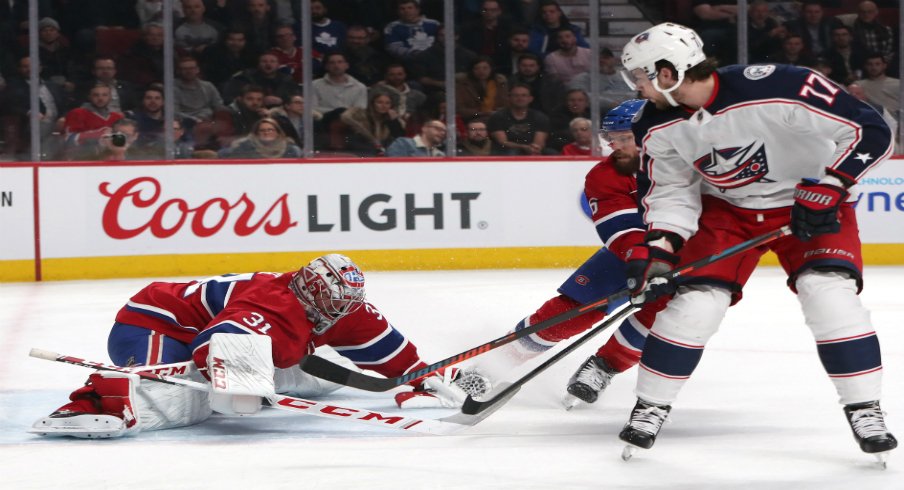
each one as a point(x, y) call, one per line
point(332, 284)
point(677, 44)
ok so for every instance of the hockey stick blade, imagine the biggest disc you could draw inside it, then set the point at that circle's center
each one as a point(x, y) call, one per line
point(474, 407)
point(330, 371)
point(448, 425)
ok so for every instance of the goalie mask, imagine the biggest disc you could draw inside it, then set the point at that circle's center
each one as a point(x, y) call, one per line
point(332, 284)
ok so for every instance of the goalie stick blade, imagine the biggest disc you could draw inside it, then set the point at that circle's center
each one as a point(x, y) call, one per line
point(330, 371)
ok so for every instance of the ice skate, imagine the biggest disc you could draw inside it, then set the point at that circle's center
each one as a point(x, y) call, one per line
point(642, 428)
point(79, 424)
point(588, 382)
point(868, 425)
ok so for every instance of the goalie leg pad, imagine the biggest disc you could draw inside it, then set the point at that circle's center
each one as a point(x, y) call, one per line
point(845, 339)
point(675, 343)
point(166, 406)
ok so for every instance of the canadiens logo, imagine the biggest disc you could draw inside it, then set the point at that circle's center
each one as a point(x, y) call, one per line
point(730, 168)
point(582, 280)
point(354, 277)
point(757, 72)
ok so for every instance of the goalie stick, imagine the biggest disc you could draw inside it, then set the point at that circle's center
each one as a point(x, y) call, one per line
point(443, 426)
point(331, 371)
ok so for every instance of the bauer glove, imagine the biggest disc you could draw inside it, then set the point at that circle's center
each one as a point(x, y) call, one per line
point(645, 263)
point(816, 209)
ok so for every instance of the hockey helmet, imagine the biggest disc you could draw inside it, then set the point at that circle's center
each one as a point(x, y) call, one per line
point(331, 284)
point(621, 117)
point(679, 45)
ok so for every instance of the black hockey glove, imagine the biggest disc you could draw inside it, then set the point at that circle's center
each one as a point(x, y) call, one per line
point(816, 209)
point(644, 263)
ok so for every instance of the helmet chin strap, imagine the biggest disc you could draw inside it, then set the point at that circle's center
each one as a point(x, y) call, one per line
point(667, 93)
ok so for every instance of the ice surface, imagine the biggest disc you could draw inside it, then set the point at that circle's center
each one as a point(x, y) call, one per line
point(758, 413)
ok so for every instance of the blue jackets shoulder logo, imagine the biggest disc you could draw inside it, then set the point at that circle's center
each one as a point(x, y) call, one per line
point(730, 168)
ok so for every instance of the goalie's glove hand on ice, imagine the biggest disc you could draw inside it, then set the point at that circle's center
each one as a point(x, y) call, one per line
point(648, 261)
point(816, 208)
point(445, 389)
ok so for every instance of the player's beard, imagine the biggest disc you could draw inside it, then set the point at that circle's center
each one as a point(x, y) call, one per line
point(623, 163)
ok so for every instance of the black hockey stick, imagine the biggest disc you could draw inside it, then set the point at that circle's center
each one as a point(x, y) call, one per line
point(474, 407)
point(330, 371)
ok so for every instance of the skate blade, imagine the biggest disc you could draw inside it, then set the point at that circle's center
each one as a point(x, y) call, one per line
point(882, 459)
point(628, 452)
point(570, 401)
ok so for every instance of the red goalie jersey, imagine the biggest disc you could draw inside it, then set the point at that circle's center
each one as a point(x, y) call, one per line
point(262, 303)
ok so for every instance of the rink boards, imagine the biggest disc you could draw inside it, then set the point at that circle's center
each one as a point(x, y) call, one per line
point(102, 220)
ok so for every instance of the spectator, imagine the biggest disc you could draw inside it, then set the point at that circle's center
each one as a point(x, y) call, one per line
point(478, 142)
point(870, 34)
point(195, 33)
point(793, 53)
point(518, 42)
point(429, 67)
point(148, 119)
point(716, 20)
point(54, 52)
point(143, 64)
point(291, 118)
point(123, 94)
point(152, 11)
point(266, 75)
point(289, 56)
point(329, 34)
point(613, 90)
point(546, 90)
point(764, 33)
point(259, 23)
point(880, 88)
point(374, 128)
point(196, 99)
point(395, 84)
point(15, 110)
point(845, 57)
point(337, 89)
point(569, 59)
point(543, 37)
point(411, 34)
point(86, 124)
point(577, 104)
point(220, 61)
point(434, 108)
point(582, 136)
point(237, 119)
point(426, 144)
point(813, 27)
point(518, 129)
point(857, 91)
point(266, 141)
point(116, 144)
point(480, 91)
point(366, 64)
point(488, 35)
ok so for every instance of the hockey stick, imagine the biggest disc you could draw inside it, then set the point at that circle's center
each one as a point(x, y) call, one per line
point(474, 407)
point(331, 371)
point(447, 425)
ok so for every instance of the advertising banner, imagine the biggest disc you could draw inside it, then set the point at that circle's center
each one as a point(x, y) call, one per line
point(17, 225)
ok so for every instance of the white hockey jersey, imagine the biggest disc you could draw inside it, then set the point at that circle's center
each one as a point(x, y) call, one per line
point(764, 129)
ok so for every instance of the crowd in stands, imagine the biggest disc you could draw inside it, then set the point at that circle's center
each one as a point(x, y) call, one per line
point(522, 83)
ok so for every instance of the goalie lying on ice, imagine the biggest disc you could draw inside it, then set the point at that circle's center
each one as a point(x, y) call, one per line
point(245, 333)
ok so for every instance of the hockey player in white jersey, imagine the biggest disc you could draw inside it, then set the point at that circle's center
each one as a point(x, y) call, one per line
point(767, 145)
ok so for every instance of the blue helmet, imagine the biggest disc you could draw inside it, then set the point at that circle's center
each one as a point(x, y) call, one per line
point(621, 117)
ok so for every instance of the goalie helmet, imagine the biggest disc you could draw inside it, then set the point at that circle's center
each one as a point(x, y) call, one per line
point(677, 44)
point(332, 284)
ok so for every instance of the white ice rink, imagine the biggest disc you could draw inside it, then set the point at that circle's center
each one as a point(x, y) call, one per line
point(758, 413)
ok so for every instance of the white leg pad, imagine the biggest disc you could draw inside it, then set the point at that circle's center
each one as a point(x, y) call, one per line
point(690, 318)
point(165, 406)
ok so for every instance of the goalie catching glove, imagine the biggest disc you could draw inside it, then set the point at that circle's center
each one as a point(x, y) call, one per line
point(445, 389)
